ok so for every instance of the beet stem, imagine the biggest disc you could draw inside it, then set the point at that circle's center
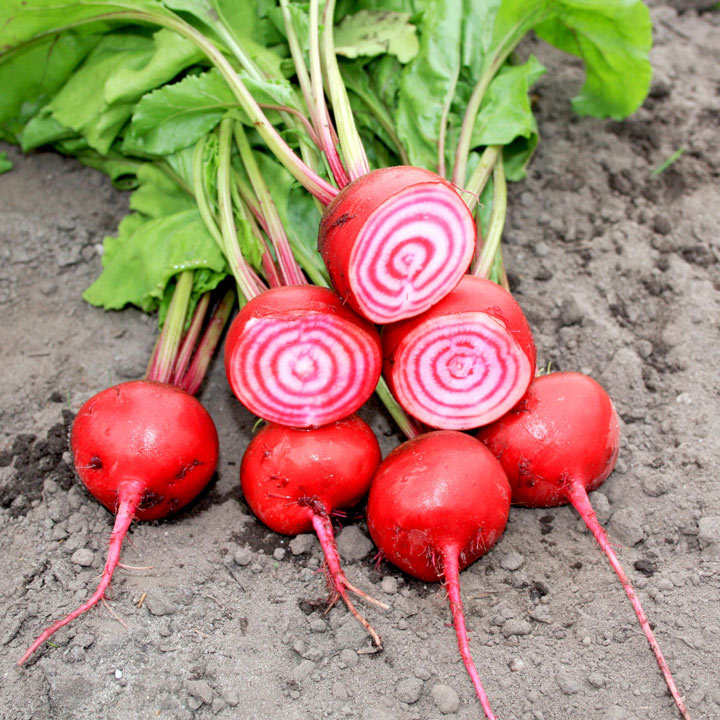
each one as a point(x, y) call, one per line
point(451, 572)
point(578, 496)
point(324, 531)
point(130, 495)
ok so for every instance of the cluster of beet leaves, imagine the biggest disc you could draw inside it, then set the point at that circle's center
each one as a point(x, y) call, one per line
point(342, 172)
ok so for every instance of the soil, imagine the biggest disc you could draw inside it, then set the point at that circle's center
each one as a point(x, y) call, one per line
point(617, 269)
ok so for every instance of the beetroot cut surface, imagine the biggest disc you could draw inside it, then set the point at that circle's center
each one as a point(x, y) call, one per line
point(396, 241)
point(293, 479)
point(296, 356)
point(558, 444)
point(437, 503)
point(463, 363)
point(143, 449)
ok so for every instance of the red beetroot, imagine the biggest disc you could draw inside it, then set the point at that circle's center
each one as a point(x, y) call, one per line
point(297, 356)
point(437, 503)
point(143, 449)
point(463, 363)
point(294, 479)
point(396, 241)
point(557, 444)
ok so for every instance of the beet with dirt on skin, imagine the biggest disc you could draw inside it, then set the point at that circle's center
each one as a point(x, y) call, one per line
point(296, 355)
point(437, 503)
point(395, 241)
point(560, 442)
point(143, 449)
point(464, 362)
point(295, 479)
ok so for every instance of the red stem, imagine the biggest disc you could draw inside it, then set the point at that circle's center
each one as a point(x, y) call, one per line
point(188, 342)
point(323, 528)
point(129, 494)
point(451, 572)
point(191, 380)
point(577, 495)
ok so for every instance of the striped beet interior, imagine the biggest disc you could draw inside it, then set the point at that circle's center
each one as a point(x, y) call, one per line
point(306, 369)
point(460, 371)
point(411, 252)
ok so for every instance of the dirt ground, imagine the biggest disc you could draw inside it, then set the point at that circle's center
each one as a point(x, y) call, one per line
point(617, 270)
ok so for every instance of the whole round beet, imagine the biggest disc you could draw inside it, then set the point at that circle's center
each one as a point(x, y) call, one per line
point(294, 479)
point(437, 503)
point(560, 442)
point(143, 449)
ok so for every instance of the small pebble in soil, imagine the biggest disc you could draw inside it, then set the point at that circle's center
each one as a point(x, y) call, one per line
point(409, 690)
point(567, 683)
point(512, 560)
point(279, 553)
point(302, 543)
point(596, 680)
point(516, 626)
point(709, 534)
point(445, 698)
point(349, 658)
point(242, 557)
point(626, 526)
point(389, 585)
point(353, 544)
point(516, 664)
point(83, 557)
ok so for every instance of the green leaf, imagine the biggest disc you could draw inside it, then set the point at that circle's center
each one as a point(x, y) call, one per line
point(139, 262)
point(613, 37)
point(99, 98)
point(375, 32)
point(43, 129)
point(158, 195)
point(24, 20)
point(121, 170)
point(30, 77)
point(176, 116)
point(428, 83)
point(171, 54)
point(5, 163)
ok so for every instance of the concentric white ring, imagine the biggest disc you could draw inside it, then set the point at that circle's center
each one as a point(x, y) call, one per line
point(460, 371)
point(411, 252)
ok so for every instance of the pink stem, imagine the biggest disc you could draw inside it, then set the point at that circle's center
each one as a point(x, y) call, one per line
point(192, 379)
point(130, 494)
point(188, 342)
point(296, 113)
point(451, 572)
point(271, 272)
point(577, 495)
point(324, 531)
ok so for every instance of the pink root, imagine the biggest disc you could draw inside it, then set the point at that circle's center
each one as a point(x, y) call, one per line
point(130, 495)
point(340, 584)
point(451, 572)
point(577, 495)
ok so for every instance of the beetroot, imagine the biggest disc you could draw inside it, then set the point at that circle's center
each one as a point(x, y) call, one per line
point(463, 363)
point(294, 479)
point(437, 503)
point(396, 241)
point(296, 356)
point(143, 449)
point(557, 444)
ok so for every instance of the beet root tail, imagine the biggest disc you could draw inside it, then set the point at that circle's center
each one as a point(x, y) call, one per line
point(452, 580)
point(130, 496)
point(340, 584)
point(578, 496)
